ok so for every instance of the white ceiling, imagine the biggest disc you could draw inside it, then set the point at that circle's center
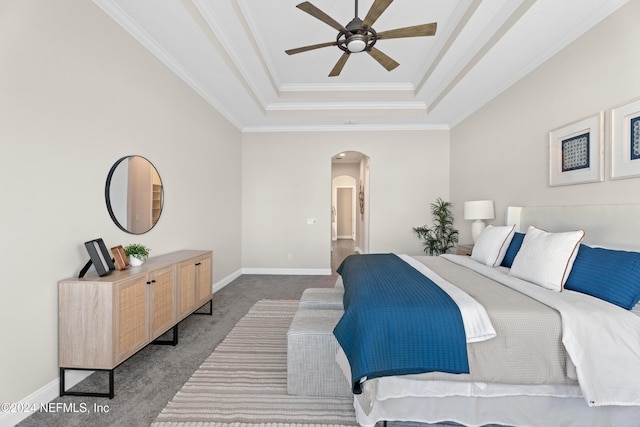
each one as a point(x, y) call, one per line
point(231, 52)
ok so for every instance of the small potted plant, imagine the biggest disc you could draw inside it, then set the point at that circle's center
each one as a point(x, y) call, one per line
point(137, 253)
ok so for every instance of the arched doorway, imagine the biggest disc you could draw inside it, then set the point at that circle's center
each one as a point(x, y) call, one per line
point(349, 205)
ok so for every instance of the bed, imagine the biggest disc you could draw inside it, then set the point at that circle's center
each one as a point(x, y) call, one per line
point(547, 345)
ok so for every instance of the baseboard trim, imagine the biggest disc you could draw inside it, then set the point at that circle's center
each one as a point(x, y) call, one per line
point(41, 397)
point(50, 391)
point(289, 271)
point(225, 281)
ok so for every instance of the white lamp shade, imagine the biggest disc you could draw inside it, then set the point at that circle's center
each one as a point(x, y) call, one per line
point(479, 209)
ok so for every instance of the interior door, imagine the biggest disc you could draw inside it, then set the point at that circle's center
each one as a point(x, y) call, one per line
point(344, 213)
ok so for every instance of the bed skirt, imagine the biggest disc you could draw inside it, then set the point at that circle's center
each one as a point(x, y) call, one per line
point(521, 411)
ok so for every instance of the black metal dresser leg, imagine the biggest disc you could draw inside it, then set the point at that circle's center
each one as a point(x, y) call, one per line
point(64, 392)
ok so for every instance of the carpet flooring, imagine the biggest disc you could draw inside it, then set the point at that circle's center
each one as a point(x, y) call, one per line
point(244, 381)
point(145, 382)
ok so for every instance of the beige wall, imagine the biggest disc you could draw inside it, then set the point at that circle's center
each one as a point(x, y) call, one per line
point(76, 94)
point(501, 152)
point(286, 178)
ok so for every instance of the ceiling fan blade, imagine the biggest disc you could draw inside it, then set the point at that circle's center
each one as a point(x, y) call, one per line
point(317, 13)
point(414, 31)
point(376, 10)
point(339, 65)
point(383, 59)
point(311, 47)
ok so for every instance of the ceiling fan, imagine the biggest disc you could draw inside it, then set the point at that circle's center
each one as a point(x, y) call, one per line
point(359, 36)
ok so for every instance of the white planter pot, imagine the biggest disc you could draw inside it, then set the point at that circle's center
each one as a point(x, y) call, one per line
point(135, 262)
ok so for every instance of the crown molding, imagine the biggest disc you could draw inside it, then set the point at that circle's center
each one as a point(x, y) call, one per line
point(144, 38)
point(347, 128)
point(348, 106)
point(342, 87)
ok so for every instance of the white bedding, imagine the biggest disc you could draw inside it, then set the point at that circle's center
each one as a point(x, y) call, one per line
point(477, 325)
point(609, 372)
point(609, 391)
point(593, 331)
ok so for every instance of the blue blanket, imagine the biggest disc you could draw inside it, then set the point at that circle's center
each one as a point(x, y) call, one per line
point(397, 321)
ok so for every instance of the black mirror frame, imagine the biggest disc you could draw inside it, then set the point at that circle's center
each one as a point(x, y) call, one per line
point(107, 196)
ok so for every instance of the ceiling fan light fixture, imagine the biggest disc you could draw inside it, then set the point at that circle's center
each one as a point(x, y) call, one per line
point(357, 43)
point(358, 36)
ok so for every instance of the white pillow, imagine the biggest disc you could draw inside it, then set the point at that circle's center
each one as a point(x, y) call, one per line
point(545, 259)
point(492, 244)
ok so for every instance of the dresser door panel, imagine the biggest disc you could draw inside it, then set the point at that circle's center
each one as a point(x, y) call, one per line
point(131, 314)
point(204, 279)
point(163, 297)
point(186, 288)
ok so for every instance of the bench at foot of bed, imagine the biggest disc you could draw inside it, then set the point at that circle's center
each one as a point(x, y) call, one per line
point(311, 351)
point(322, 299)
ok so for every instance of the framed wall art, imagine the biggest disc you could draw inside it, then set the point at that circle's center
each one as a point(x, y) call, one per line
point(625, 140)
point(576, 152)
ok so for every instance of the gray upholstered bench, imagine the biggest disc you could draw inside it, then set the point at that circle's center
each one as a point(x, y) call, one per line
point(311, 351)
point(322, 298)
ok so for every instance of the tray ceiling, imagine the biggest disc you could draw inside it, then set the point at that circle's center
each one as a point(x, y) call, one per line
point(231, 52)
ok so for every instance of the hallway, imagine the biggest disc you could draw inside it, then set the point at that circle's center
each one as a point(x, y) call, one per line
point(340, 249)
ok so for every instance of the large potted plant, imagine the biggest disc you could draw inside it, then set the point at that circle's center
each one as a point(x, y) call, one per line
point(441, 236)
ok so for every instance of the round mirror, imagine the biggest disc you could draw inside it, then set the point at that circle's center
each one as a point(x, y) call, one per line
point(134, 194)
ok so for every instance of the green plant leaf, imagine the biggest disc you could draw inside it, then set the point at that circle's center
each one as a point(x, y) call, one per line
point(441, 236)
point(137, 250)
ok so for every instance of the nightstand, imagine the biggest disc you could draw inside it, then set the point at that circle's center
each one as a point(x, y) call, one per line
point(464, 249)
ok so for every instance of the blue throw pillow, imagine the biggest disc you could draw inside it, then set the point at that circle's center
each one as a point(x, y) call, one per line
point(514, 247)
point(611, 275)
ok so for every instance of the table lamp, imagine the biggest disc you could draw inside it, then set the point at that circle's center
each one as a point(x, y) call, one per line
point(478, 210)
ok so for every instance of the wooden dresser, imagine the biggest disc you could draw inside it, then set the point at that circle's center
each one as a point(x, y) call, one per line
point(105, 320)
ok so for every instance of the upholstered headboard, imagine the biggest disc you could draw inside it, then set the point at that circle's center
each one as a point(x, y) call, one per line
point(611, 226)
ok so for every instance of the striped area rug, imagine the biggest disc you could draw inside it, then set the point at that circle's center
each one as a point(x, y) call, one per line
point(244, 381)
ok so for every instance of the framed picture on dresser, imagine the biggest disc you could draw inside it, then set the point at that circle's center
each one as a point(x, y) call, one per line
point(576, 152)
point(120, 257)
point(99, 257)
point(625, 140)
